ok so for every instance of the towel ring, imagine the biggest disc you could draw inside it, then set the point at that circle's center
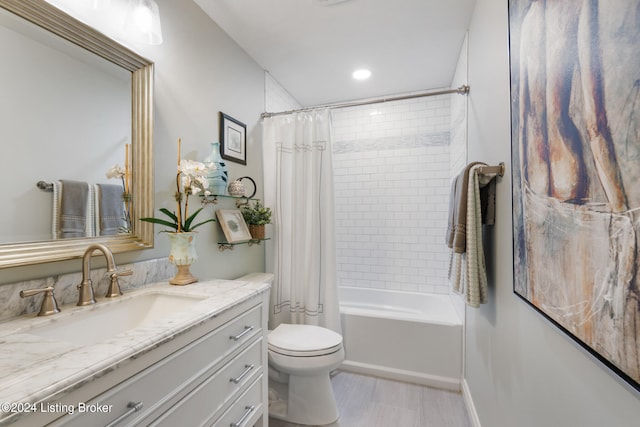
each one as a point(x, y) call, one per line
point(255, 187)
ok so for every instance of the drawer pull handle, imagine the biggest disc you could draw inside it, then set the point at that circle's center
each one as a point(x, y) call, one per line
point(247, 411)
point(133, 408)
point(247, 329)
point(247, 369)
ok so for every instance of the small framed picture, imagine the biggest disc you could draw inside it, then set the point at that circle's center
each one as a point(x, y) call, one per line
point(233, 226)
point(233, 139)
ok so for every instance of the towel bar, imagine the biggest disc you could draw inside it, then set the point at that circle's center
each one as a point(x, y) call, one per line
point(45, 186)
point(499, 169)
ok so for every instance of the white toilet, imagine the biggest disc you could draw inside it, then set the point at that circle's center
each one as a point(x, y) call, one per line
point(300, 360)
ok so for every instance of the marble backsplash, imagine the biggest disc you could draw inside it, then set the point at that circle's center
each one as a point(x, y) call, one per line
point(65, 285)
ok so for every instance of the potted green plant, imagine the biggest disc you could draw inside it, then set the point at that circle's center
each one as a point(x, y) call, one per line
point(256, 217)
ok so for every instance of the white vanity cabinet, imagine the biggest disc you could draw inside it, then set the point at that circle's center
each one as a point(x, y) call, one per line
point(214, 374)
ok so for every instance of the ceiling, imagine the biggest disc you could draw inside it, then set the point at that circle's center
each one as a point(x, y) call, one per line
point(311, 47)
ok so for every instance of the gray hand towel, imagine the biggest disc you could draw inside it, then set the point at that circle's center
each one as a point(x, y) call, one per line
point(110, 208)
point(73, 209)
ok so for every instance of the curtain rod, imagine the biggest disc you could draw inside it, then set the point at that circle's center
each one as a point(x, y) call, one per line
point(462, 90)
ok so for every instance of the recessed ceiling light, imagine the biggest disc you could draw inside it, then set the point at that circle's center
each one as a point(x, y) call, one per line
point(361, 74)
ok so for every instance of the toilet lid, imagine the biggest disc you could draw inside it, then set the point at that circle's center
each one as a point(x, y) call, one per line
point(304, 340)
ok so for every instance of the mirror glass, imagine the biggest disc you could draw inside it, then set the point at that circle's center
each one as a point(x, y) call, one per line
point(75, 103)
point(65, 116)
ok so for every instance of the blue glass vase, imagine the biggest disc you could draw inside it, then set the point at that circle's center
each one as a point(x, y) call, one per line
point(218, 175)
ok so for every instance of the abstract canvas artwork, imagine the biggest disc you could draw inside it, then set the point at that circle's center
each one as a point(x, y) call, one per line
point(575, 121)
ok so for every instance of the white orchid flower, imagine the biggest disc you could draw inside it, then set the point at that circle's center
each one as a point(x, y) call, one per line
point(190, 180)
point(203, 181)
point(193, 176)
point(115, 172)
point(192, 168)
point(185, 180)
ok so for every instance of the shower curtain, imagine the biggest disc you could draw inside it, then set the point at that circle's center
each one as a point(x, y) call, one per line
point(298, 177)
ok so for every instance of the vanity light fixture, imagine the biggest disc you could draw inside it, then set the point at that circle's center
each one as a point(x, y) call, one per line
point(361, 74)
point(142, 22)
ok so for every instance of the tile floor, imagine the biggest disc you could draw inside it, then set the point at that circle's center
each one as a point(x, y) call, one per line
point(365, 401)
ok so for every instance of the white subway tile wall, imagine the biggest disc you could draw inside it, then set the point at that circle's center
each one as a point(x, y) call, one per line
point(458, 134)
point(459, 105)
point(393, 166)
point(392, 181)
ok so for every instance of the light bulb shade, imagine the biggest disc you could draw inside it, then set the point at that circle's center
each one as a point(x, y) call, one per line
point(142, 23)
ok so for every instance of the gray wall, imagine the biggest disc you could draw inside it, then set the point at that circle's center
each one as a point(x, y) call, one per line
point(520, 370)
point(199, 71)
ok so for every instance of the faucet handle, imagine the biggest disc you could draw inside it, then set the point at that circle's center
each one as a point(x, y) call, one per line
point(49, 303)
point(114, 287)
point(123, 273)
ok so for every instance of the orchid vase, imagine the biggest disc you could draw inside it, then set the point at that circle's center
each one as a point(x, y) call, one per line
point(183, 255)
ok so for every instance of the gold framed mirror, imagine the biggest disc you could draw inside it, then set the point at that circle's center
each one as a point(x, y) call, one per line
point(48, 17)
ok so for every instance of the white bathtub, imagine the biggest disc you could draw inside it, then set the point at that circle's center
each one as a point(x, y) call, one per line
point(403, 336)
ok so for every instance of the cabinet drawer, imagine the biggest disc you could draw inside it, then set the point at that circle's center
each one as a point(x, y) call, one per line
point(216, 392)
point(167, 381)
point(246, 410)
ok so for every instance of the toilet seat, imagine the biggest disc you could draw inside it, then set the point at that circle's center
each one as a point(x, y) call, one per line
point(304, 340)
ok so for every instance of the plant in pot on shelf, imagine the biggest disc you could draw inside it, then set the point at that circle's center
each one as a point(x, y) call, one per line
point(191, 179)
point(256, 217)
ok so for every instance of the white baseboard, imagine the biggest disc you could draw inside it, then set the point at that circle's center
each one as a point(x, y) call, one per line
point(436, 381)
point(471, 408)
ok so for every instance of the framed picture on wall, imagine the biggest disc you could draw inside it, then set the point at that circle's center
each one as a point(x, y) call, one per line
point(233, 139)
point(233, 225)
point(575, 123)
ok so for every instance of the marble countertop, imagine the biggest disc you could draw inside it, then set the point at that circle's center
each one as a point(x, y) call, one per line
point(33, 368)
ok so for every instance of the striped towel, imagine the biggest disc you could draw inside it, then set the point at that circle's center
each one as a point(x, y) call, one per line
point(109, 209)
point(73, 210)
point(467, 270)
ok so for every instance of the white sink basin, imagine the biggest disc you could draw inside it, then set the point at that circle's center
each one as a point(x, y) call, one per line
point(90, 325)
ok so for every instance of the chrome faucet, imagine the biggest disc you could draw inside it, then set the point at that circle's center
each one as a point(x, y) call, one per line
point(86, 296)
